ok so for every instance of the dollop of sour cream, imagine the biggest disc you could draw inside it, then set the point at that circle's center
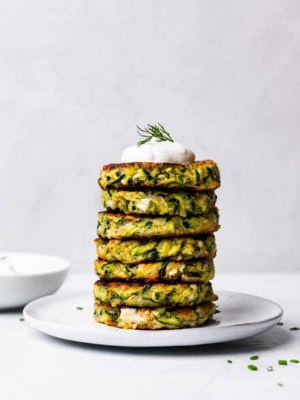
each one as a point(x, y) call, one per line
point(153, 151)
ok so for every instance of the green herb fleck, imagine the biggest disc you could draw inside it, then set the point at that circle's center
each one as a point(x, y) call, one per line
point(254, 358)
point(156, 132)
point(282, 362)
point(229, 361)
point(79, 308)
point(280, 323)
point(21, 319)
point(148, 225)
point(294, 361)
point(252, 367)
point(118, 180)
point(295, 328)
point(280, 384)
point(270, 368)
point(186, 224)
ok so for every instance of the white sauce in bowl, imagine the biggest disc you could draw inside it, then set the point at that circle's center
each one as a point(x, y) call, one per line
point(20, 264)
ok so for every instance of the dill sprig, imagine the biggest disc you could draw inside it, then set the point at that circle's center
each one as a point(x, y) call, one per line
point(157, 132)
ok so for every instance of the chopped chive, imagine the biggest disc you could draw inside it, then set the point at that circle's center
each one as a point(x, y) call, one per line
point(229, 361)
point(79, 308)
point(253, 358)
point(280, 323)
point(252, 367)
point(282, 362)
point(295, 328)
point(280, 384)
point(294, 361)
point(21, 319)
point(270, 368)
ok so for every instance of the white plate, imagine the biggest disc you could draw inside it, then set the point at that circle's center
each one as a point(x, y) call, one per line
point(28, 276)
point(241, 316)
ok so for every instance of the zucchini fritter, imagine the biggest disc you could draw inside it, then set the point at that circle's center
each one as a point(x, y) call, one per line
point(158, 203)
point(199, 175)
point(169, 271)
point(158, 318)
point(153, 295)
point(118, 226)
point(175, 249)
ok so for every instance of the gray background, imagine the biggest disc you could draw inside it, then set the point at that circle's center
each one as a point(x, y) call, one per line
point(222, 76)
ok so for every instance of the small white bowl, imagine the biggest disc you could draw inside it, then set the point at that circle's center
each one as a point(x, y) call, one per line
point(27, 276)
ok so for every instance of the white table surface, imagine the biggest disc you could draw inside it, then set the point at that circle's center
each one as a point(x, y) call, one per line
point(35, 366)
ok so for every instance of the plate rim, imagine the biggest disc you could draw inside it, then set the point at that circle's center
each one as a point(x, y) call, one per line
point(110, 330)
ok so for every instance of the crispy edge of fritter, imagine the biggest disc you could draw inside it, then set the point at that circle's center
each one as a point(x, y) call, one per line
point(138, 164)
point(123, 286)
point(135, 217)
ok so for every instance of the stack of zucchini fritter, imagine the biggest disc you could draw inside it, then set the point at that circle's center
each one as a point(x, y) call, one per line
point(156, 245)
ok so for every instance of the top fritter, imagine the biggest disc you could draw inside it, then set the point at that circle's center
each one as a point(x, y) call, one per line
point(199, 175)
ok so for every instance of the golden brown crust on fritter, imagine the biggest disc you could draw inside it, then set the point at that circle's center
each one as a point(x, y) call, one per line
point(137, 164)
